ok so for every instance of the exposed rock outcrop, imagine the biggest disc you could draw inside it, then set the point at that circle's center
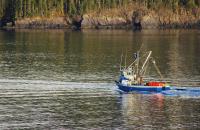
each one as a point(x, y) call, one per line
point(77, 22)
point(136, 20)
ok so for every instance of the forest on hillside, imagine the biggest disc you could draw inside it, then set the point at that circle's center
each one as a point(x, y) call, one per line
point(11, 10)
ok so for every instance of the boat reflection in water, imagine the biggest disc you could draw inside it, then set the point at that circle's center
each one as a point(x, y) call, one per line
point(155, 111)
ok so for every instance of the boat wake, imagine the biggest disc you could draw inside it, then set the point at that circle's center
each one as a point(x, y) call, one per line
point(42, 85)
point(51, 85)
point(186, 92)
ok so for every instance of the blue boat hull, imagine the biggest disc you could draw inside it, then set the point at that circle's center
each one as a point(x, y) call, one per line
point(142, 88)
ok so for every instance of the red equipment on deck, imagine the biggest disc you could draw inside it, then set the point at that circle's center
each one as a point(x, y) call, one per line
point(155, 84)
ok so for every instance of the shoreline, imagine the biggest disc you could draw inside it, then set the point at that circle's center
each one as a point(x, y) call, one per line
point(105, 27)
point(46, 24)
point(129, 18)
point(96, 30)
point(135, 20)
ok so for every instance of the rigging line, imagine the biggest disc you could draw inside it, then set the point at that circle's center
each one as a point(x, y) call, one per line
point(141, 47)
point(121, 61)
point(145, 69)
point(131, 64)
point(148, 57)
point(157, 69)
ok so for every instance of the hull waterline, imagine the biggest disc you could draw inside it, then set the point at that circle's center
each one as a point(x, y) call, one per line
point(142, 88)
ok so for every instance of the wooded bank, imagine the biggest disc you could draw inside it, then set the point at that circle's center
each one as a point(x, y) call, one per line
point(96, 13)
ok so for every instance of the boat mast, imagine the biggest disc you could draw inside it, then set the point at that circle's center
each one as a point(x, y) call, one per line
point(121, 62)
point(125, 59)
point(138, 60)
point(148, 57)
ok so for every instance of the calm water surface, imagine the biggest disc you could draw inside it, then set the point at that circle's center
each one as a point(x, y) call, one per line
point(56, 79)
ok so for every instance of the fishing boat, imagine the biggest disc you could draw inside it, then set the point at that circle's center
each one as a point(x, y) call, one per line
point(132, 76)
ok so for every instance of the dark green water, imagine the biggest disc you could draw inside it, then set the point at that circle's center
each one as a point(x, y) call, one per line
point(58, 79)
